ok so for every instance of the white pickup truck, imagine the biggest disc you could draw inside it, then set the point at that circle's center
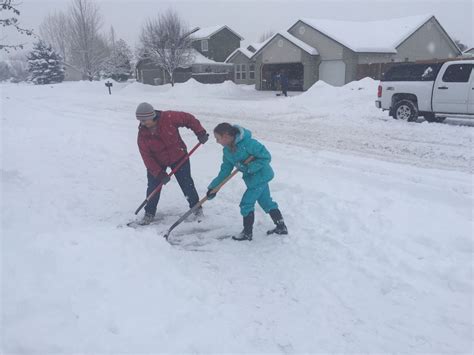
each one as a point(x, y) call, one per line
point(433, 91)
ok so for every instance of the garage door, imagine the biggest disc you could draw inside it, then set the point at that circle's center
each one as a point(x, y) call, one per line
point(333, 72)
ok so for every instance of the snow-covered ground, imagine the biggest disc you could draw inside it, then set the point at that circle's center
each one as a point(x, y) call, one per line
point(380, 213)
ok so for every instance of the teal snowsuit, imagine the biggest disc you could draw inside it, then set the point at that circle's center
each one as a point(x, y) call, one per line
point(256, 174)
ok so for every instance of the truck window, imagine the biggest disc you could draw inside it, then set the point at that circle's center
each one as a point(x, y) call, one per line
point(457, 73)
point(412, 72)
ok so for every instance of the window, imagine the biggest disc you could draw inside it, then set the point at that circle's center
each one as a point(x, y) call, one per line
point(457, 73)
point(251, 71)
point(237, 72)
point(412, 72)
point(244, 71)
point(204, 45)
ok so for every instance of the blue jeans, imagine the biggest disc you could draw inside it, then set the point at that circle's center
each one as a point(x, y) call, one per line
point(260, 194)
point(185, 181)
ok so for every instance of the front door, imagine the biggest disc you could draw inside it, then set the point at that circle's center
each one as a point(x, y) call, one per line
point(451, 91)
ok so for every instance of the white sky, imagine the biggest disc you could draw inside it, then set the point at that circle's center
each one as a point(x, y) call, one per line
point(250, 18)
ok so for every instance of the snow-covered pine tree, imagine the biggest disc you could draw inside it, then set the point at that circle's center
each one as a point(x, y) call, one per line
point(118, 66)
point(45, 65)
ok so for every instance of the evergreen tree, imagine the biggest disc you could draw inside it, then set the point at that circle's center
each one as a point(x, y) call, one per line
point(44, 64)
point(118, 66)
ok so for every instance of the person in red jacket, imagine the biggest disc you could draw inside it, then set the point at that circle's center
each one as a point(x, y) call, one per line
point(161, 147)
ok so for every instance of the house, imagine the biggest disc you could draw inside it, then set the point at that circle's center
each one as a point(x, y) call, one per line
point(285, 52)
point(200, 68)
point(211, 47)
point(342, 51)
point(244, 68)
point(216, 42)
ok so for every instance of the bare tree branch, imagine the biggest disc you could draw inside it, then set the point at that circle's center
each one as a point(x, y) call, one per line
point(88, 48)
point(55, 30)
point(165, 41)
point(11, 21)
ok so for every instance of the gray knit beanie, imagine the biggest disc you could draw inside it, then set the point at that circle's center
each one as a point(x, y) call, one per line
point(145, 112)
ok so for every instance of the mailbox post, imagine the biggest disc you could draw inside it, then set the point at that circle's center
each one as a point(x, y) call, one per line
point(109, 85)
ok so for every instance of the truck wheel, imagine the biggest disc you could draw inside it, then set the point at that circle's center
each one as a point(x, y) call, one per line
point(405, 110)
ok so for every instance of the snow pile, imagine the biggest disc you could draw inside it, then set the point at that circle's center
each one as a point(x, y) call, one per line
point(193, 88)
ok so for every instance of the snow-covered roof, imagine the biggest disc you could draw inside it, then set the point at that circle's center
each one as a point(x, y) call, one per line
point(244, 51)
point(198, 58)
point(382, 36)
point(207, 32)
point(469, 51)
point(256, 45)
point(299, 43)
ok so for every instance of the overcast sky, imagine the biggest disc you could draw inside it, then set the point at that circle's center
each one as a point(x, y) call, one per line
point(250, 18)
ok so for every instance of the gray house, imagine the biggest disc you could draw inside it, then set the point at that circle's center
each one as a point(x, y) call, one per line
point(285, 52)
point(244, 68)
point(202, 69)
point(216, 42)
point(340, 51)
point(211, 46)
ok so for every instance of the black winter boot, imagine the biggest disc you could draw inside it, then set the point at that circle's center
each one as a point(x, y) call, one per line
point(246, 233)
point(280, 224)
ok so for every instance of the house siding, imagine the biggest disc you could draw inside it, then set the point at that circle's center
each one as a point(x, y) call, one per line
point(239, 58)
point(328, 48)
point(351, 59)
point(221, 45)
point(287, 53)
point(310, 69)
point(428, 42)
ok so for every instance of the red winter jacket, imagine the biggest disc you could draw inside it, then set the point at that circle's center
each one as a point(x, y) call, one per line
point(163, 145)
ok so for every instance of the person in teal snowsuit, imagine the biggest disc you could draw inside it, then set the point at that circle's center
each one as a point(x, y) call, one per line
point(238, 147)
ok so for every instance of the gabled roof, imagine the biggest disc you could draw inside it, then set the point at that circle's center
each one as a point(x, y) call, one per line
point(297, 42)
point(198, 58)
point(382, 36)
point(208, 32)
point(244, 51)
point(256, 46)
point(469, 50)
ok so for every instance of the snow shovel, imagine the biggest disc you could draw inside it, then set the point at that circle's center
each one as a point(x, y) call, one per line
point(158, 188)
point(204, 199)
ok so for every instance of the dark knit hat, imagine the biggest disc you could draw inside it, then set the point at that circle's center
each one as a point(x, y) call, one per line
point(145, 112)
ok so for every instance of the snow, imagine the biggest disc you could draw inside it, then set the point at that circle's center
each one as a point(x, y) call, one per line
point(297, 42)
point(244, 51)
point(369, 36)
point(378, 259)
point(198, 58)
point(207, 32)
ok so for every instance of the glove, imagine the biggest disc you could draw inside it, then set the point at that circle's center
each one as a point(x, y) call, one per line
point(163, 178)
point(241, 167)
point(203, 137)
point(210, 195)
